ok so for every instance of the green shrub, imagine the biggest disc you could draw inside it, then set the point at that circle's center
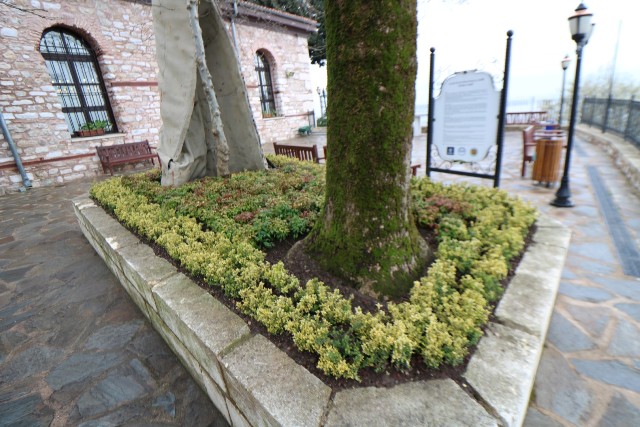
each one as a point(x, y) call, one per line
point(216, 229)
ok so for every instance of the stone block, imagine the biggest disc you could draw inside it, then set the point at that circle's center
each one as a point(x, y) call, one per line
point(528, 304)
point(111, 231)
point(543, 261)
point(144, 269)
point(191, 364)
point(502, 371)
point(553, 235)
point(216, 395)
point(203, 324)
point(27, 116)
point(272, 389)
point(8, 32)
point(236, 418)
point(423, 403)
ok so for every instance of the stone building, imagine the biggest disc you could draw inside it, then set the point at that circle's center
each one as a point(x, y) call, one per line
point(64, 63)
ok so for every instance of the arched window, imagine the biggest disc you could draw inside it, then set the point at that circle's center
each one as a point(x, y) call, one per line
point(267, 100)
point(75, 74)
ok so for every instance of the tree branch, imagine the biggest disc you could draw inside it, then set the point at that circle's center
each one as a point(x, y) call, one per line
point(221, 146)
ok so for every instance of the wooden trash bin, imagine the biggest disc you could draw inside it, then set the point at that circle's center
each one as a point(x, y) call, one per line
point(546, 167)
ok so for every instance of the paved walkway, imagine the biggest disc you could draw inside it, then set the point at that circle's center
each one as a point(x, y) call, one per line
point(75, 351)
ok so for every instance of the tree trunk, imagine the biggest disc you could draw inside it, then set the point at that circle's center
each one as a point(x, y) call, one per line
point(366, 232)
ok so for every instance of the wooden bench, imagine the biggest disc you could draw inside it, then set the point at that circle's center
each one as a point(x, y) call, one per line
point(299, 152)
point(121, 154)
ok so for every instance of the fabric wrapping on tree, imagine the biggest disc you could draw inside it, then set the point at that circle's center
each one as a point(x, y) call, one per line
point(186, 147)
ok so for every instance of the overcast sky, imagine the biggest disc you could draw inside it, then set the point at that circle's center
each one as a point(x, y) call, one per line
point(472, 35)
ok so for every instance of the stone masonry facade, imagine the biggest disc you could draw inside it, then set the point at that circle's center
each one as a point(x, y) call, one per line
point(287, 53)
point(121, 34)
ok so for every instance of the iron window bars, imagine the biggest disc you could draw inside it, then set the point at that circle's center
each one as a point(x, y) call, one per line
point(267, 100)
point(75, 74)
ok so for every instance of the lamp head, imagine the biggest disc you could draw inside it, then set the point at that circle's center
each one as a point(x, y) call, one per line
point(565, 62)
point(580, 25)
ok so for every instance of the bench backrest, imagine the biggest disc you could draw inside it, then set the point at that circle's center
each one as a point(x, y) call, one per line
point(527, 136)
point(297, 151)
point(131, 149)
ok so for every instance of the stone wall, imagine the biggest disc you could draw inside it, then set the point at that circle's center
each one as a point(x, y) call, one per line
point(121, 34)
point(288, 57)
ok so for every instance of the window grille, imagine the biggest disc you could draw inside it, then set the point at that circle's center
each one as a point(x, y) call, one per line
point(76, 76)
point(267, 100)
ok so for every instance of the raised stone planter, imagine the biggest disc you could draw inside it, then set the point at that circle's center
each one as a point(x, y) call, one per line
point(252, 382)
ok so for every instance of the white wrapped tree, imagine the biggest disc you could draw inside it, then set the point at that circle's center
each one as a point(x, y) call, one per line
point(207, 124)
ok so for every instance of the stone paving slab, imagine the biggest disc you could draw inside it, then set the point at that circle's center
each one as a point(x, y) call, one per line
point(74, 349)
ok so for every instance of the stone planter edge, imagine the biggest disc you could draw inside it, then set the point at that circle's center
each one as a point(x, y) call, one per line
point(253, 383)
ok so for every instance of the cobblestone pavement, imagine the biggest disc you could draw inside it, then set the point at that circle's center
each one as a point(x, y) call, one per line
point(74, 350)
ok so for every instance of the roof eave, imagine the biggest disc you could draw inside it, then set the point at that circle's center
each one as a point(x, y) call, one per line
point(261, 13)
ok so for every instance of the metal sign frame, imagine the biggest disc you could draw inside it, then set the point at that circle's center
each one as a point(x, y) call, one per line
point(501, 122)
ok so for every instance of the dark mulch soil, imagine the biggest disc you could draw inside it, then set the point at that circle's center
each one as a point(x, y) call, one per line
point(305, 268)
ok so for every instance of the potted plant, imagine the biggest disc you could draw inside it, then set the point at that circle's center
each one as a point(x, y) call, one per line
point(93, 128)
point(268, 113)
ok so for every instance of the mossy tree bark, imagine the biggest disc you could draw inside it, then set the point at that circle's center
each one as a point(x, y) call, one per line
point(366, 232)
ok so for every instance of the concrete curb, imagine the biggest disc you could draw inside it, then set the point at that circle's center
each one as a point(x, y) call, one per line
point(253, 383)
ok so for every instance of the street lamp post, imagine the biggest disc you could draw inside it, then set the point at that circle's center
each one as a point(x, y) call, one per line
point(565, 64)
point(581, 28)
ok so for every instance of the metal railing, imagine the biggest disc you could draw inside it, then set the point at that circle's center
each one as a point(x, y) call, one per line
point(620, 116)
point(526, 117)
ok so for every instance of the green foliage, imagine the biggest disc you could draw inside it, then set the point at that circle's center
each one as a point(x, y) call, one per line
point(598, 85)
point(322, 121)
point(267, 206)
point(94, 125)
point(215, 228)
point(313, 9)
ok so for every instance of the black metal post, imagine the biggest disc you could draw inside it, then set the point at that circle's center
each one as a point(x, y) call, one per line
point(586, 104)
point(563, 195)
point(430, 112)
point(629, 113)
point(323, 102)
point(606, 114)
point(503, 110)
point(564, 77)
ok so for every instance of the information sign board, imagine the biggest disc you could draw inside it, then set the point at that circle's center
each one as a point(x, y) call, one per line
point(466, 117)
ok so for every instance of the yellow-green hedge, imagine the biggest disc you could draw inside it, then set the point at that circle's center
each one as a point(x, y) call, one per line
point(479, 231)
